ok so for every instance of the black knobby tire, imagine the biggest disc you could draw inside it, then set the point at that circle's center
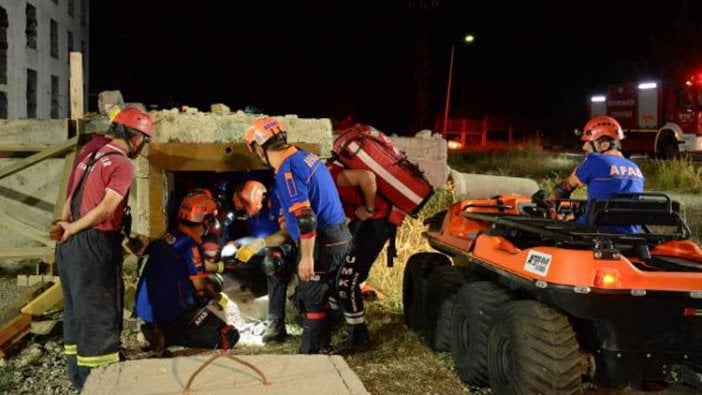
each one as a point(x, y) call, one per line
point(417, 269)
point(533, 349)
point(443, 283)
point(668, 148)
point(474, 309)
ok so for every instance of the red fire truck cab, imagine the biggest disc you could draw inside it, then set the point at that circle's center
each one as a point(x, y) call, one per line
point(658, 118)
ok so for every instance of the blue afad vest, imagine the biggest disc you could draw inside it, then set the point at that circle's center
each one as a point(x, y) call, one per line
point(608, 174)
point(164, 290)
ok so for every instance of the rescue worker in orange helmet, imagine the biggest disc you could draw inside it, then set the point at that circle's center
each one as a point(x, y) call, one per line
point(604, 170)
point(89, 254)
point(175, 291)
point(271, 250)
point(315, 220)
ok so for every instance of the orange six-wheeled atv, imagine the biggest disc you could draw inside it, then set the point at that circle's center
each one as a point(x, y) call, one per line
point(529, 301)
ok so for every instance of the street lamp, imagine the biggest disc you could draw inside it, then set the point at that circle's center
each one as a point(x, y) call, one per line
point(468, 39)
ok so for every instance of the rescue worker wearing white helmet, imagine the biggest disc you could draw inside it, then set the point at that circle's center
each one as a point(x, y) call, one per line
point(605, 170)
point(175, 289)
point(315, 220)
point(89, 251)
point(271, 250)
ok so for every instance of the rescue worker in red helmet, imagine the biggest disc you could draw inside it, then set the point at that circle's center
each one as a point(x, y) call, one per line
point(315, 220)
point(374, 221)
point(271, 250)
point(604, 170)
point(89, 254)
point(174, 291)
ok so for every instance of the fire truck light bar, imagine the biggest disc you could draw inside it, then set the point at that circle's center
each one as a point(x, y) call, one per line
point(648, 85)
point(598, 99)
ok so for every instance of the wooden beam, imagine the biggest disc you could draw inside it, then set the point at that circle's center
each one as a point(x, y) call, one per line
point(76, 88)
point(45, 253)
point(63, 183)
point(18, 226)
point(54, 150)
point(14, 331)
point(50, 299)
point(23, 148)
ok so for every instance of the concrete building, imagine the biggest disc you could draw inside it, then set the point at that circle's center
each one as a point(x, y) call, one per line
point(36, 37)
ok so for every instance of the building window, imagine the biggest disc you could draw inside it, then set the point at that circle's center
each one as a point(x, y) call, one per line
point(54, 97)
point(31, 93)
point(3, 105)
point(69, 44)
point(70, 7)
point(84, 12)
point(31, 28)
point(3, 46)
point(83, 47)
point(54, 39)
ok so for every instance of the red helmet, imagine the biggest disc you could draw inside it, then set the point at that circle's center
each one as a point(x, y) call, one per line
point(602, 126)
point(248, 197)
point(198, 208)
point(262, 132)
point(135, 119)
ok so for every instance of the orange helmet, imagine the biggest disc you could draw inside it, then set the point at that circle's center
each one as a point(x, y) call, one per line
point(248, 197)
point(602, 126)
point(197, 207)
point(264, 131)
point(135, 119)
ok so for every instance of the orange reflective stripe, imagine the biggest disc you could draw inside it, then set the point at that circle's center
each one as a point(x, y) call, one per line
point(316, 316)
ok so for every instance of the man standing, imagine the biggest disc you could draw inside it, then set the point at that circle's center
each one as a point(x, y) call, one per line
point(371, 228)
point(89, 253)
point(315, 220)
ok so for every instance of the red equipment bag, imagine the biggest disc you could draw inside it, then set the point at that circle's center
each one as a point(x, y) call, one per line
point(399, 180)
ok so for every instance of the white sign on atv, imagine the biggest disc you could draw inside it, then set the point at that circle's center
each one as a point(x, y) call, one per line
point(537, 263)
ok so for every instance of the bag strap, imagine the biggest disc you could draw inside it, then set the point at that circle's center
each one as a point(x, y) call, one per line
point(77, 194)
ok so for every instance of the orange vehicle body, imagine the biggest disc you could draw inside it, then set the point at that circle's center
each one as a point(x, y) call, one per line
point(634, 301)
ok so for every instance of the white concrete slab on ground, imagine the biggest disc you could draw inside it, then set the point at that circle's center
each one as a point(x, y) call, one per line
point(287, 374)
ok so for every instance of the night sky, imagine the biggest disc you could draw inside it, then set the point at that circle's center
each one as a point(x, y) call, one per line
point(536, 61)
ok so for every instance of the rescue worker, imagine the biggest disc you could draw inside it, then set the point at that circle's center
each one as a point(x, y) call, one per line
point(604, 170)
point(271, 250)
point(315, 220)
point(89, 253)
point(174, 288)
point(371, 228)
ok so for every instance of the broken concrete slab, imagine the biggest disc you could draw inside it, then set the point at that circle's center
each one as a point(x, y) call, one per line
point(286, 374)
point(468, 185)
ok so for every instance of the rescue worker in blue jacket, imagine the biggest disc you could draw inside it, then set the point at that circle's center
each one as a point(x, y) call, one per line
point(271, 250)
point(174, 288)
point(315, 220)
point(604, 170)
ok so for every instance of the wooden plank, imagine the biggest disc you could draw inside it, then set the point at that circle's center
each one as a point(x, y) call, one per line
point(50, 299)
point(76, 85)
point(27, 280)
point(14, 331)
point(18, 226)
point(45, 253)
point(65, 175)
point(23, 148)
point(54, 150)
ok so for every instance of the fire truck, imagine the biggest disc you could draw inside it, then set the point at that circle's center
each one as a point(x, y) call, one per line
point(659, 119)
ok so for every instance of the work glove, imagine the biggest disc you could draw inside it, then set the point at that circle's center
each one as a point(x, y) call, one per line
point(223, 301)
point(247, 251)
point(540, 197)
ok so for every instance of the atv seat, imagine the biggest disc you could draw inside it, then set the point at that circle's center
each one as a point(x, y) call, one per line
point(644, 209)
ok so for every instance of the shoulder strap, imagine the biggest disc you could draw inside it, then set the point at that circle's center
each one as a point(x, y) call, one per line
point(77, 194)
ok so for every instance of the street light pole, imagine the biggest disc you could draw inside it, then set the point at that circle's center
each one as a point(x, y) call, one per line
point(448, 87)
point(467, 39)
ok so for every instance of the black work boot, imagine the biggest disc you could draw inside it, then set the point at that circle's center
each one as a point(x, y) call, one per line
point(275, 331)
point(358, 340)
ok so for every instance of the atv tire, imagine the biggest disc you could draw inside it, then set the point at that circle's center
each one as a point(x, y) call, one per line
point(474, 309)
point(418, 268)
point(533, 349)
point(443, 283)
